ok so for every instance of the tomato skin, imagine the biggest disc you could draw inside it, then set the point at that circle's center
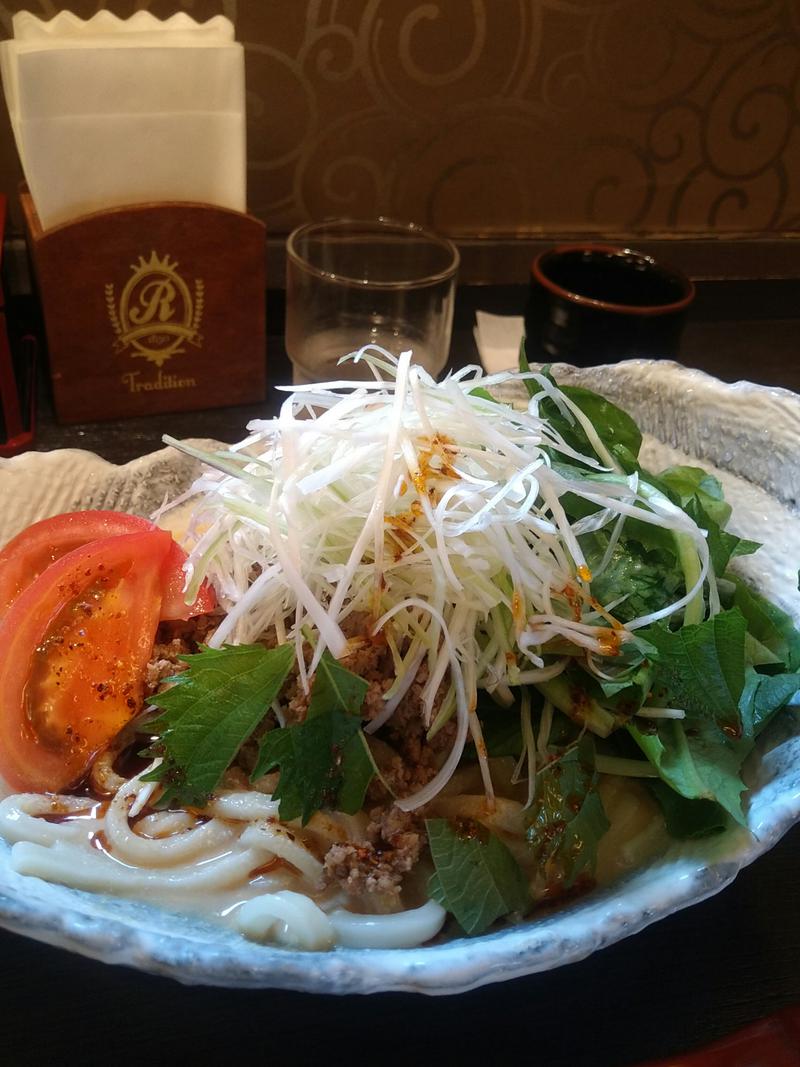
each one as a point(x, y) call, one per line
point(27, 555)
point(74, 647)
point(173, 602)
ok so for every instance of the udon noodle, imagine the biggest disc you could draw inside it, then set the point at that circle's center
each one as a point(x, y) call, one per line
point(233, 859)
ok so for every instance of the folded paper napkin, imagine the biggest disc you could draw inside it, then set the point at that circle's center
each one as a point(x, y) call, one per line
point(110, 112)
point(498, 339)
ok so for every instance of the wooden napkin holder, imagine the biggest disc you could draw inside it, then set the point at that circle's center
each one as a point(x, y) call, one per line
point(17, 367)
point(151, 308)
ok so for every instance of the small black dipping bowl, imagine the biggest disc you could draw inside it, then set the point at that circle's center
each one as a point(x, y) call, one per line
point(597, 303)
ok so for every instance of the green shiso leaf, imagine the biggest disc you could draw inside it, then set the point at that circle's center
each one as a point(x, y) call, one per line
point(476, 878)
point(335, 688)
point(766, 622)
point(567, 820)
point(763, 696)
point(696, 759)
point(688, 819)
point(324, 761)
point(209, 712)
point(700, 668)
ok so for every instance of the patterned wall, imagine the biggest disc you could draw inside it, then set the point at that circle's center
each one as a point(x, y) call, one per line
point(518, 117)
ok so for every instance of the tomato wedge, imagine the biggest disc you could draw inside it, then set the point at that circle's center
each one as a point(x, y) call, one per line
point(74, 647)
point(27, 555)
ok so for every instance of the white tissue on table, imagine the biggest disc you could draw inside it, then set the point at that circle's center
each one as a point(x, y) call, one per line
point(110, 112)
point(498, 339)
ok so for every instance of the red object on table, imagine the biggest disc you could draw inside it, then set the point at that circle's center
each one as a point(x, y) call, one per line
point(771, 1042)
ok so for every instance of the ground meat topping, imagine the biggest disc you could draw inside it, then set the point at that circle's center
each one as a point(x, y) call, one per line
point(367, 656)
point(394, 842)
point(173, 640)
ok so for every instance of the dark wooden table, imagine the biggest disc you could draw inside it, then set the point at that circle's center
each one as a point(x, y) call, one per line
point(703, 972)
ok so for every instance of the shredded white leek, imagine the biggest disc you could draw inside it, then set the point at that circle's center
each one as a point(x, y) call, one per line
point(429, 511)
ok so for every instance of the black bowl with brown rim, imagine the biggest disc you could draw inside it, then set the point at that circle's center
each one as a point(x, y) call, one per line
point(598, 303)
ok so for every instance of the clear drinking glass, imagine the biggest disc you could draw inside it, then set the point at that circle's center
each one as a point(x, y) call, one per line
point(350, 283)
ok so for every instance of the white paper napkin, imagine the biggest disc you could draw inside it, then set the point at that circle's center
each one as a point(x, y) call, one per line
point(111, 112)
point(498, 339)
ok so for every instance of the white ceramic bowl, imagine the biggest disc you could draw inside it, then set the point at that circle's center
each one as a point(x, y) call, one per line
point(750, 435)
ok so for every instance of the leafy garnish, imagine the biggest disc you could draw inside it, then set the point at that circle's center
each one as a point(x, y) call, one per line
point(531, 385)
point(613, 425)
point(324, 761)
point(648, 579)
point(700, 670)
point(484, 394)
point(628, 692)
point(771, 626)
point(688, 819)
point(336, 689)
point(763, 696)
point(209, 712)
point(722, 545)
point(500, 726)
point(697, 760)
point(685, 484)
point(567, 820)
point(701, 667)
point(476, 877)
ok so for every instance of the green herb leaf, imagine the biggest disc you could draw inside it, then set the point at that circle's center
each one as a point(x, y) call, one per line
point(324, 761)
point(484, 394)
point(685, 484)
point(763, 696)
point(700, 495)
point(476, 877)
point(701, 667)
point(626, 695)
point(335, 688)
point(650, 579)
point(758, 655)
point(567, 820)
point(613, 425)
point(209, 712)
point(766, 622)
point(722, 546)
point(524, 366)
point(688, 819)
point(500, 726)
point(697, 760)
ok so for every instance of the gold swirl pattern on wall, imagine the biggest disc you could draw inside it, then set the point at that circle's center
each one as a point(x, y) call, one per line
point(520, 117)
